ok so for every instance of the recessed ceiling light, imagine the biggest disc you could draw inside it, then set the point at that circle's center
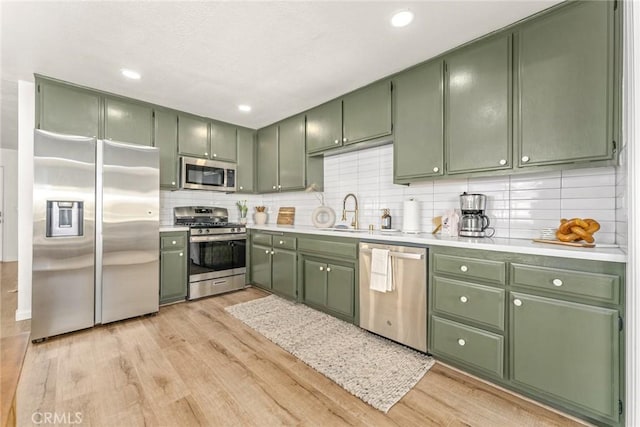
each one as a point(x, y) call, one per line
point(402, 18)
point(130, 74)
point(244, 108)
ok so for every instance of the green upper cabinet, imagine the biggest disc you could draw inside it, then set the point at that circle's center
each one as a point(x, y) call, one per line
point(223, 142)
point(128, 122)
point(367, 113)
point(418, 143)
point(291, 154)
point(566, 85)
point(246, 160)
point(67, 109)
point(193, 136)
point(579, 366)
point(267, 159)
point(324, 127)
point(478, 106)
point(166, 139)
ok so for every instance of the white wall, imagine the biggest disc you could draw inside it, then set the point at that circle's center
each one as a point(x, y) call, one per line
point(9, 161)
point(26, 124)
point(519, 206)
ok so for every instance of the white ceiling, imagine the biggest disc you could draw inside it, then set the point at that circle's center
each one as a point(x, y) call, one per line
point(207, 57)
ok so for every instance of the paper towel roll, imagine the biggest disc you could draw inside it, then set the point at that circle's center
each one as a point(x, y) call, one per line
point(411, 216)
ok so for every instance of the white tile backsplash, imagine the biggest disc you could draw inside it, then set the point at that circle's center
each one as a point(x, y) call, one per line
point(518, 206)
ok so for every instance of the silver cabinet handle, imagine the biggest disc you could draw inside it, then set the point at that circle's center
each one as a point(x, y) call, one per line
point(282, 242)
point(328, 269)
point(436, 169)
point(337, 141)
point(206, 154)
point(241, 187)
point(181, 254)
point(267, 251)
point(461, 342)
point(173, 183)
point(557, 282)
point(215, 155)
point(272, 252)
point(502, 162)
point(344, 139)
point(517, 302)
point(525, 159)
point(464, 268)
point(279, 186)
point(173, 242)
point(463, 299)
point(321, 268)
point(274, 187)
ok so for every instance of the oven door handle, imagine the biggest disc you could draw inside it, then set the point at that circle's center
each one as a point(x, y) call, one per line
point(218, 238)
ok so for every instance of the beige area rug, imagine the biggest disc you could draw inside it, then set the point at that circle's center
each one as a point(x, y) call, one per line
point(378, 371)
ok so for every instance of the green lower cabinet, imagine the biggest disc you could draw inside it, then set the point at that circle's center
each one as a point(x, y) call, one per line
point(284, 279)
point(173, 267)
point(261, 266)
point(329, 287)
point(566, 353)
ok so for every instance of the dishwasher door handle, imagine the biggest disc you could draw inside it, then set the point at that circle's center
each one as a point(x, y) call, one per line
point(400, 255)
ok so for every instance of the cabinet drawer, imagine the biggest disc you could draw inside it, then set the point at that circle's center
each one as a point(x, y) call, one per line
point(593, 286)
point(478, 303)
point(173, 241)
point(332, 248)
point(492, 271)
point(261, 239)
point(472, 346)
point(284, 242)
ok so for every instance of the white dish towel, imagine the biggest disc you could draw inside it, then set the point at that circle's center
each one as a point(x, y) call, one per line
point(381, 271)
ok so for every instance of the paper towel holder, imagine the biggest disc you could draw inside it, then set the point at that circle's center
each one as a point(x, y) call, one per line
point(411, 216)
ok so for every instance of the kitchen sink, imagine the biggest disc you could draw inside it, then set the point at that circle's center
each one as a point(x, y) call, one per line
point(345, 230)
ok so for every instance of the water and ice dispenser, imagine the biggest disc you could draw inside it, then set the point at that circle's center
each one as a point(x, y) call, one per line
point(64, 218)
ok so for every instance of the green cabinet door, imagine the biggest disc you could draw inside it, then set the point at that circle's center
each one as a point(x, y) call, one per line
point(223, 142)
point(284, 273)
point(261, 266)
point(367, 113)
point(314, 290)
point(567, 353)
point(292, 154)
point(478, 107)
point(68, 110)
point(324, 127)
point(173, 276)
point(128, 122)
point(267, 159)
point(418, 143)
point(193, 136)
point(341, 289)
point(566, 85)
point(166, 139)
point(246, 160)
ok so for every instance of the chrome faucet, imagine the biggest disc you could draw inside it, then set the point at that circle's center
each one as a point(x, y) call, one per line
point(354, 222)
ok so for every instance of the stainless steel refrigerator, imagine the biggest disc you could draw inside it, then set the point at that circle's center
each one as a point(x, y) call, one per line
point(95, 233)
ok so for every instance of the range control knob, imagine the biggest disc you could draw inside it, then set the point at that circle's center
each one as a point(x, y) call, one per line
point(200, 231)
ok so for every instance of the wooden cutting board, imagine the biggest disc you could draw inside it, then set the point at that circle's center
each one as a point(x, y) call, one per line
point(574, 244)
point(286, 216)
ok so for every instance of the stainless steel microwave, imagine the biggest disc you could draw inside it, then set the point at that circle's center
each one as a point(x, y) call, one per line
point(202, 174)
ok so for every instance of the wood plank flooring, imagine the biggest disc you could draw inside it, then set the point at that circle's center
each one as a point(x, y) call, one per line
point(193, 364)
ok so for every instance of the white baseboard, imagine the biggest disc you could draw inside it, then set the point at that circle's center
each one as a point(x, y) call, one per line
point(23, 315)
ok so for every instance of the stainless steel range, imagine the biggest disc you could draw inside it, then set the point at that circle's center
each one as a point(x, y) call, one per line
point(217, 250)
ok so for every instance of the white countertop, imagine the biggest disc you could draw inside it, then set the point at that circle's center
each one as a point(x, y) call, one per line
point(167, 228)
point(522, 246)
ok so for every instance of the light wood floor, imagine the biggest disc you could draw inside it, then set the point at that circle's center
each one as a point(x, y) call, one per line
point(193, 364)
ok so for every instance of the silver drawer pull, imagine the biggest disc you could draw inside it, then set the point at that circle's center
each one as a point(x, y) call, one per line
point(267, 251)
point(461, 342)
point(272, 252)
point(328, 269)
point(181, 254)
point(557, 282)
point(174, 242)
point(463, 299)
point(517, 302)
point(321, 268)
point(282, 242)
point(464, 268)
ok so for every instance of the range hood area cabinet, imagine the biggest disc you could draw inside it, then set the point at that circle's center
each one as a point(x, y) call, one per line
point(544, 93)
point(282, 163)
point(362, 115)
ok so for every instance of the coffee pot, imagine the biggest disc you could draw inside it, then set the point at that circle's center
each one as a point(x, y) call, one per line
point(474, 223)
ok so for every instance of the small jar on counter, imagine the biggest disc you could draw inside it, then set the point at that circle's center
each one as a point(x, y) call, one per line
point(386, 220)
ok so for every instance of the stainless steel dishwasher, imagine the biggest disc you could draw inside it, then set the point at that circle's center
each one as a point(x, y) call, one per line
point(400, 315)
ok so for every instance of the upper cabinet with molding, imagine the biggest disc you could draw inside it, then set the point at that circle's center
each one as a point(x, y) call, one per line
point(359, 116)
point(166, 140)
point(246, 165)
point(566, 85)
point(193, 136)
point(223, 141)
point(128, 122)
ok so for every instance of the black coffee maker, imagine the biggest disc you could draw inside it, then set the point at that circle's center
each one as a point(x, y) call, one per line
point(474, 223)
